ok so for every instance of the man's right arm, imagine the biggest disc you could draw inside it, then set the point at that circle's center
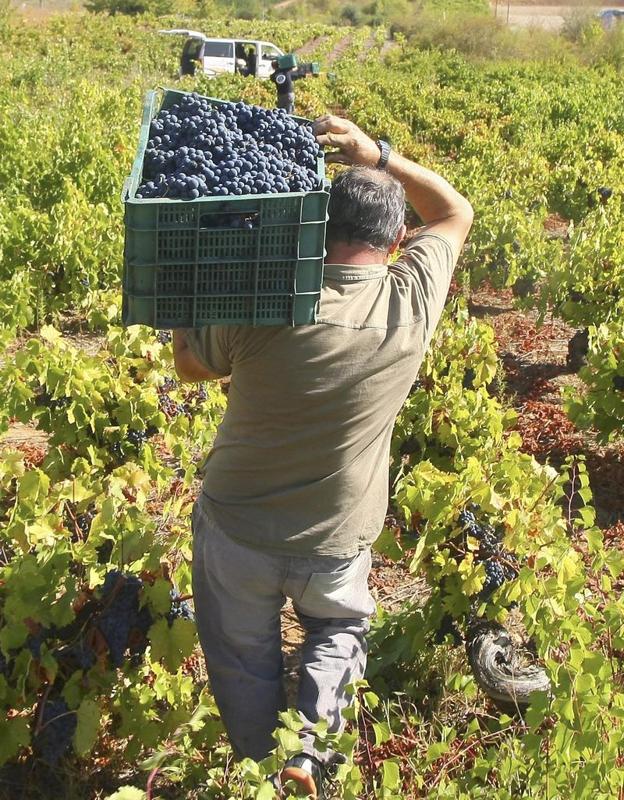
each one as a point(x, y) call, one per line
point(442, 209)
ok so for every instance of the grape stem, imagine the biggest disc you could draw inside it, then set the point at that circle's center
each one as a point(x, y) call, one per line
point(38, 725)
point(181, 598)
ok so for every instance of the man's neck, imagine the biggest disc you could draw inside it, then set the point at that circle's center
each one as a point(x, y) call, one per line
point(357, 254)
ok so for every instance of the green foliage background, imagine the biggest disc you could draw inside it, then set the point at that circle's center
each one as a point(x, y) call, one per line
point(523, 137)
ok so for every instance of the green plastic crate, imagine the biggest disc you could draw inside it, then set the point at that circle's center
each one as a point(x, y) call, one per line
point(287, 61)
point(183, 268)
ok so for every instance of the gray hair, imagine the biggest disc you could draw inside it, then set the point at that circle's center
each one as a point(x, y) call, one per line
point(365, 205)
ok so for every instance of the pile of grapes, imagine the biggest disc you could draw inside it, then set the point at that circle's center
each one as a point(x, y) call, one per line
point(198, 150)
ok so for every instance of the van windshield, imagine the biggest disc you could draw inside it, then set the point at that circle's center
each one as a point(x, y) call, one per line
point(218, 50)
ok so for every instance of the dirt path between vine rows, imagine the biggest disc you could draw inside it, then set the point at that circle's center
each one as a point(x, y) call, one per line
point(336, 53)
point(534, 363)
point(311, 46)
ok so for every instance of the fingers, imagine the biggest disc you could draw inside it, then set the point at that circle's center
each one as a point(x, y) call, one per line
point(331, 124)
point(332, 140)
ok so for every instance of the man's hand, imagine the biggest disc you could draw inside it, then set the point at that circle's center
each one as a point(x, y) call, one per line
point(354, 146)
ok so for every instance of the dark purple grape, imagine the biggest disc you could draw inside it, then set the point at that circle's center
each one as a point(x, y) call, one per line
point(76, 656)
point(180, 609)
point(494, 578)
point(469, 378)
point(196, 150)
point(56, 729)
point(120, 613)
point(136, 438)
point(466, 518)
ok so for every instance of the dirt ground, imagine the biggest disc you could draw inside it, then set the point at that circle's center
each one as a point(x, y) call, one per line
point(548, 16)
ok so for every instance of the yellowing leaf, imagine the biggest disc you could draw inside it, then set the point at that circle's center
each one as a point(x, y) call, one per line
point(50, 334)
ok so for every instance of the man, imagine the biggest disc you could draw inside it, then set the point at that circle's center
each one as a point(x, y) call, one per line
point(295, 490)
point(283, 80)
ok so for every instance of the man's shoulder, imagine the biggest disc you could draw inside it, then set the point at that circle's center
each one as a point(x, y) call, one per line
point(421, 241)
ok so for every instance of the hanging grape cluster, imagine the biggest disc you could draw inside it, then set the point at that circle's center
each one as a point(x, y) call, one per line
point(500, 565)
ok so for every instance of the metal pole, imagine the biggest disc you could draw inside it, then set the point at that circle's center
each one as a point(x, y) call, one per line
point(508, 4)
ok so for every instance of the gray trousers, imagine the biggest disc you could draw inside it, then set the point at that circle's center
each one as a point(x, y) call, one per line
point(238, 594)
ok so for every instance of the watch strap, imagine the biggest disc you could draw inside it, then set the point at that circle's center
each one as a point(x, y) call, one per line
point(384, 150)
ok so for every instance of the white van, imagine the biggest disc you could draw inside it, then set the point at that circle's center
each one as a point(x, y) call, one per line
point(216, 56)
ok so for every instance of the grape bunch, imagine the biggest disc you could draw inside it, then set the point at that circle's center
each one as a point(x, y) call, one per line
point(180, 609)
point(83, 521)
point(35, 640)
point(77, 655)
point(136, 438)
point(121, 614)
point(56, 728)
point(500, 565)
point(169, 406)
point(469, 378)
point(199, 150)
point(168, 385)
point(487, 536)
point(494, 577)
point(163, 337)
point(53, 403)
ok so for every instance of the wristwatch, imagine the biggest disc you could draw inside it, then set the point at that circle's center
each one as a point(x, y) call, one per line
point(384, 149)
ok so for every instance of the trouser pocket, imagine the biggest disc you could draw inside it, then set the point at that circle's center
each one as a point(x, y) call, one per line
point(341, 593)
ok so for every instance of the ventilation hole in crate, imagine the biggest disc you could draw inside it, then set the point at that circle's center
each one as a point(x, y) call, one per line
point(279, 242)
point(286, 210)
point(177, 216)
point(175, 279)
point(227, 244)
point(173, 311)
point(276, 276)
point(224, 309)
point(225, 278)
point(176, 245)
point(274, 308)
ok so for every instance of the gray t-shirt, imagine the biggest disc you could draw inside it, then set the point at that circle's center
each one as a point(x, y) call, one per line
point(299, 465)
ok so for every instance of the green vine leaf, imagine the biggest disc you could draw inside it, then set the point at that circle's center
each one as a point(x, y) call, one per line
point(172, 644)
point(89, 718)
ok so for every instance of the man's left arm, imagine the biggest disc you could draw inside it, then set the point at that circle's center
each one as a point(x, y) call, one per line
point(187, 365)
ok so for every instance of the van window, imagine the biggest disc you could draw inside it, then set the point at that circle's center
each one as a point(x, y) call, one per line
point(270, 52)
point(218, 50)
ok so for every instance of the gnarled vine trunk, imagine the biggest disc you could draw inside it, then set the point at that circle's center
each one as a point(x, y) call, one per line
point(499, 668)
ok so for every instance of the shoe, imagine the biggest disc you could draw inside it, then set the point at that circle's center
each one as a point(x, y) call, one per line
point(307, 773)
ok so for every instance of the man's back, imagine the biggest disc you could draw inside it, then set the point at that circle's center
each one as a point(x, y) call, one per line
point(300, 462)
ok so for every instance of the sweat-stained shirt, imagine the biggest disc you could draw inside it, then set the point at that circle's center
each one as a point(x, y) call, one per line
point(300, 462)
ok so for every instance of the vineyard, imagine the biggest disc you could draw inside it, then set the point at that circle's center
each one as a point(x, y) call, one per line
point(507, 463)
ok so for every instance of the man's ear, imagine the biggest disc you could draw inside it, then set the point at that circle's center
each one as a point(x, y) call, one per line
point(400, 236)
